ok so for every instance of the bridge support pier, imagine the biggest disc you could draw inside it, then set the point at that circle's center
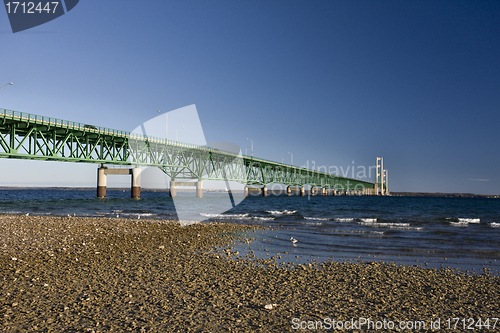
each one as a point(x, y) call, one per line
point(199, 189)
point(312, 191)
point(136, 183)
point(173, 189)
point(174, 184)
point(288, 191)
point(264, 191)
point(324, 192)
point(102, 178)
point(302, 191)
point(246, 191)
point(101, 182)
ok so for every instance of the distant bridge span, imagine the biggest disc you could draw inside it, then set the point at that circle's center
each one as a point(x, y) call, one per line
point(34, 137)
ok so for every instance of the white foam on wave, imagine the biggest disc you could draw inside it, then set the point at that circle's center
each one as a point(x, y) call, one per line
point(282, 212)
point(137, 214)
point(495, 225)
point(344, 219)
point(226, 216)
point(468, 220)
point(358, 232)
point(369, 220)
point(262, 218)
point(459, 224)
point(385, 224)
point(407, 228)
point(315, 218)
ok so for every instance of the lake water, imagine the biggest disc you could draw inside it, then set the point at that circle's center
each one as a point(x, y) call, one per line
point(432, 232)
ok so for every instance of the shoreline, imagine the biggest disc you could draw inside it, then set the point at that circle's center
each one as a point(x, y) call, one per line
point(252, 190)
point(155, 276)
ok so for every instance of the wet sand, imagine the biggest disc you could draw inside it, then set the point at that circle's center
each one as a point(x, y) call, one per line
point(113, 275)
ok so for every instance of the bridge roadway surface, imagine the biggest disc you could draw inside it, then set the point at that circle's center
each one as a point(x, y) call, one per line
point(34, 137)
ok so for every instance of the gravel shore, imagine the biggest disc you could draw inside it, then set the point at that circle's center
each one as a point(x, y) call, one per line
point(113, 275)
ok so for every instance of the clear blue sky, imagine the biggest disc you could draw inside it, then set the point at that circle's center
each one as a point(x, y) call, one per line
point(416, 82)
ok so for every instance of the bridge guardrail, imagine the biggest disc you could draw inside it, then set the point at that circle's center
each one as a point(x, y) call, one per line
point(24, 116)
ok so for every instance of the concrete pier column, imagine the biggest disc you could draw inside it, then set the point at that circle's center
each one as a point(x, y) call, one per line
point(334, 192)
point(199, 189)
point(302, 191)
point(264, 191)
point(101, 182)
point(324, 192)
point(288, 191)
point(312, 191)
point(173, 189)
point(246, 191)
point(136, 183)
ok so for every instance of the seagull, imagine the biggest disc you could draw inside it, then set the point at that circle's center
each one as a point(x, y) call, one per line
point(293, 240)
point(27, 214)
point(138, 216)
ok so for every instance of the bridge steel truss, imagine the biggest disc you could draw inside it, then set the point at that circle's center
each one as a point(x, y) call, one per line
point(34, 137)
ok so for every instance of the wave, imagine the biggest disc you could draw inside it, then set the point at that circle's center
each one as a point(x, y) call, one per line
point(340, 219)
point(283, 212)
point(468, 220)
point(463, 220)
point(316, 218)
point(313, 223)
point(358, 232)
point(262, 218)
point(237, 216)
point(407, 228)
point(138, 214)
point(385, 224)
point(226, 216)
point(495, 225)
point(343, 219)
point(459, 224)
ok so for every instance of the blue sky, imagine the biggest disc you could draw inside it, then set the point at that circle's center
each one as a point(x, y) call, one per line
point(416, 82)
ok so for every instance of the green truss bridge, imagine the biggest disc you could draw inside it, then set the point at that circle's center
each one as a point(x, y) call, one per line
point(34, 137)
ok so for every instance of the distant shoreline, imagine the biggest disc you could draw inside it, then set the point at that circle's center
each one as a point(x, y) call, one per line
point(252, 190)
point(444, 195)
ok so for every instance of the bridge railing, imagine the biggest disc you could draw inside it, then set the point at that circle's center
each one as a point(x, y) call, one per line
point(37, 119)
point(301, 169)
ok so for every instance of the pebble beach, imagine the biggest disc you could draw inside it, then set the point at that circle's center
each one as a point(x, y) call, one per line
point(71, 274)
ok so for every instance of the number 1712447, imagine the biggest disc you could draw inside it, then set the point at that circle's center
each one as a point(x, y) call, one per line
point(472, 323)
point(15, 7)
